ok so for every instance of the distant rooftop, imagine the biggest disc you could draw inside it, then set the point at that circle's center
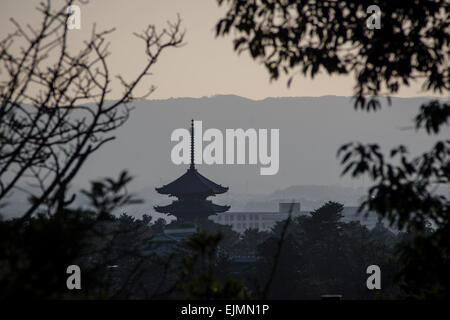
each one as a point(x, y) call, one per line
point(192, 182)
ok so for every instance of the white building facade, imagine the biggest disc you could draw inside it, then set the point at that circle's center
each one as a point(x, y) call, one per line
point(263, 221)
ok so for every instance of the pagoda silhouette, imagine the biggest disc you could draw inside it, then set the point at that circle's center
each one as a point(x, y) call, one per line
point(192, 190)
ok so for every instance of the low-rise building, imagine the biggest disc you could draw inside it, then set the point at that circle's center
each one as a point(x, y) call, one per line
point(263, 221)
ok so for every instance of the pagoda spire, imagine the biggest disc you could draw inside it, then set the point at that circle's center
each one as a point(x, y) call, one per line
point(192, 145)
point(192, 190)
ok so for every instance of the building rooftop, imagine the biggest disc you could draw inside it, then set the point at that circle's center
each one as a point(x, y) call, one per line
point(191, 205)
point(192, 183)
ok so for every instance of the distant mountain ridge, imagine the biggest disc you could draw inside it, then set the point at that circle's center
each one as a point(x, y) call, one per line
point(311, 130)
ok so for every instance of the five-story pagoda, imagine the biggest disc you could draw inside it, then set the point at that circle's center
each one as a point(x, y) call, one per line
point(192, 190)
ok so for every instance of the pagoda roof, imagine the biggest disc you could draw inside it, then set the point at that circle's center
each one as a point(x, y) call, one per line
point(192, 205)
point(192, 183)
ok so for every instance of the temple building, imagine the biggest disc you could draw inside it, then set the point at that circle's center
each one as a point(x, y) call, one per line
point(192, 190)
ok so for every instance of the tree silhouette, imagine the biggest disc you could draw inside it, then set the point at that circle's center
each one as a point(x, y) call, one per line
point(34, 255)
point(323, 255)
point(54, 114)
point(54, 111)
point(306, 37)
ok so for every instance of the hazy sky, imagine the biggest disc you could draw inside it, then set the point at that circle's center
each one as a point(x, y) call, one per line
point(205, 66)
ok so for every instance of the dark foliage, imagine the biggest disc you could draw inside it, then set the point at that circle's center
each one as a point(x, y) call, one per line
point(323, 255)
point(307, 37)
